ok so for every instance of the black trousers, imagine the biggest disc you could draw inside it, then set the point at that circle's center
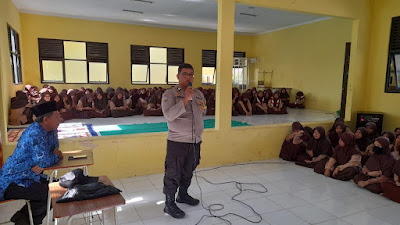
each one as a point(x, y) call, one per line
point(180, 162)
point(37, 193)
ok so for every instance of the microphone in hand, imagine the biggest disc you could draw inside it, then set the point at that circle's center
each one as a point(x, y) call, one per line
point(190, 85)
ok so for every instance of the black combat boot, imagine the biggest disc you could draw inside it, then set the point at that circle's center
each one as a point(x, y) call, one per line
point(171, 208)
point(184, 197)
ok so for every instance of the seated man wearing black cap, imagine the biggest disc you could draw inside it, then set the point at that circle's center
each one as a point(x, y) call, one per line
point(21, 176)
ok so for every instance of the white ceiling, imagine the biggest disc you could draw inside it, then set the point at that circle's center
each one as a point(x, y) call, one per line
point(181, 14)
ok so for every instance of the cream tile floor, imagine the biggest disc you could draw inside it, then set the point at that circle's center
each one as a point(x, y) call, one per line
point(296, 195)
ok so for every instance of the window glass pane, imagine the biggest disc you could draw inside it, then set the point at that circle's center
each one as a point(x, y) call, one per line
point(15, 70)
point(52, 70)
point(13, 49)
point(158, 55)
point(97, 72)
point(75, 71)
point(140, 73)
point(397, 62)
point(74, 50)
point(172, 72)
point(19, 74)
point(158, 74)
point(208, 75)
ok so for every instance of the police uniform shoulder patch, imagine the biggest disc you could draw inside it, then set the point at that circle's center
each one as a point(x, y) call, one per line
point(165, 98)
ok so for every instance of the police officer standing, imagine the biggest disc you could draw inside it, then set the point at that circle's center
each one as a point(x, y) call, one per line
point(184, 108)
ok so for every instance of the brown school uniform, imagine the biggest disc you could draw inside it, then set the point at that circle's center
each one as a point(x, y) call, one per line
point(20, 112)
point(346, 160)
point(377, 162)
point(154, 105)
point(391, 189)
point(362, 144)
point(115, 103)
point(291, 151)
point(321, 149)
point(273, 102)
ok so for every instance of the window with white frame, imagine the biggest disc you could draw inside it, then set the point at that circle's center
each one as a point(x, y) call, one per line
point(155, 65)
point(74, 62)
point(15, 55)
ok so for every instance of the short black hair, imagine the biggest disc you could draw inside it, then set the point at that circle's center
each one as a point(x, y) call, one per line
point(184, 66)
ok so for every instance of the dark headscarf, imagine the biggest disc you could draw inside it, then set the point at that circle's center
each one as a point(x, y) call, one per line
point(60, 103)
point(62, 95)
point(109, 90)
point(363, 143)
point(43, 95)
point(85, 100)
point(284, 95)
point(100, 104)
point(211, 101)
point(373, 126)
point(156, 98)
point(134, 98)
point(383, 162)
point(333, 136)
point(297, 126)
point(321, 146)
point(342, 155)
point(337, 120)
point(390, 136)
point(118, 102)
point(20, 100)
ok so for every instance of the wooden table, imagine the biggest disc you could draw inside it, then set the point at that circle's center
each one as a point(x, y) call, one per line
point(65, 164)
point(71, 209)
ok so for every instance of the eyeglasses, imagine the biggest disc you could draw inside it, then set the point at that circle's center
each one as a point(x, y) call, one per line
point(188, 75)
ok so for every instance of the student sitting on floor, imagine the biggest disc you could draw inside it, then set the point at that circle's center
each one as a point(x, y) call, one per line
point(275, 105)
point(372, 130)
point(268, 94)
point(20, 112)
point(235, 101)
point(299, 102)
point(345, 162)
point(211, 104)
point(45, 97)
point(244, 105)
point(119, 107)
point(86, 108)
point(320, 148)
point(285, 97)
point(391, 137)
point(396, 148)
point(34, 94)
point(133, 102)
point(397, 131)
point(260, 104)
point(101, 104)
point(143, 98)
point(334, 135)
point(378, 168)
point(294, 146)
point(362, 142)
point(391, 189)
point(154, 105)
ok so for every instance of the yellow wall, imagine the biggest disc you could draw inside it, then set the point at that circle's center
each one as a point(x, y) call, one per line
point(119, 38)
point(309, 58)
point(376, 98)
point(8, 15)
point(122, 156)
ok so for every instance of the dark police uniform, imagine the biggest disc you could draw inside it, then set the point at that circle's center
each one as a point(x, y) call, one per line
point(185, 126)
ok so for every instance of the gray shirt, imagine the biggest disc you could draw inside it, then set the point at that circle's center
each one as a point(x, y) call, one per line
point(180, 118)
